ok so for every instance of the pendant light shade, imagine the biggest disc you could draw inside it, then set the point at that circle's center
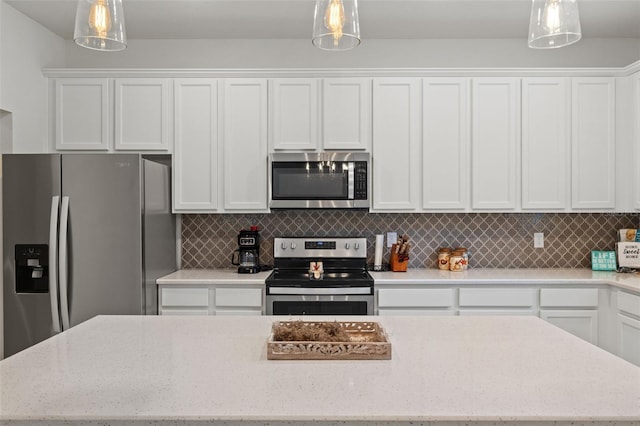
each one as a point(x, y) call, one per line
point(554, 23)
point(336, 25)
point(100, 25)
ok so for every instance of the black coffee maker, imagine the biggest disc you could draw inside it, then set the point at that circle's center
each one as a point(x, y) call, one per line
point(247, 256)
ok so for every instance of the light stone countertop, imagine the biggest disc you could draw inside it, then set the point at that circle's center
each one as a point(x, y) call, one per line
point(212, 276)
point(143, 370)
point(549, 276)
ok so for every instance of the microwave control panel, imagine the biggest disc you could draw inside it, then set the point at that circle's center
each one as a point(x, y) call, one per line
point(360, 184)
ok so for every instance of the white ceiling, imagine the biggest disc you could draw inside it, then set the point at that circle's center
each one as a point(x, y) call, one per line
point(192, 19)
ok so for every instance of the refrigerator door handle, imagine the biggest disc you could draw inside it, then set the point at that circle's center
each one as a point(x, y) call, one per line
point(53, 264)
point(64, 281)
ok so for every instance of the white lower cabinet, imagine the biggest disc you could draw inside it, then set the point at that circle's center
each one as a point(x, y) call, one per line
point(211, 300)
point(629, 343)
point(498, 297)
point(415, 301)
point(497, 301)
point(581, 323)
point(628, 327)
point(239, 301)
point(573, 309)
point(183, 301)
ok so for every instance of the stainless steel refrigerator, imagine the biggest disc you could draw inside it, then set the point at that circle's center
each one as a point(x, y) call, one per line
point(84, 234)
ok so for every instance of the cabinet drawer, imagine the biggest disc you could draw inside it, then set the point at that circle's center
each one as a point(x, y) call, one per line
point(245, 297)
point(185, 297)
point(415, 297)
point(497, 312)
point(497, 297)
point(177, 312)
point(569, 297)
point(629, 303)
point(239, 312)
point(416, 312)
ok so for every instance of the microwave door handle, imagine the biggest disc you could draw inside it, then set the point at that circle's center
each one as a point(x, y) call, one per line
point(53, 262)
point(351, 166)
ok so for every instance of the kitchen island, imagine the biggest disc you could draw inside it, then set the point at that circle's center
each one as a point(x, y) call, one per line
point(143, 370)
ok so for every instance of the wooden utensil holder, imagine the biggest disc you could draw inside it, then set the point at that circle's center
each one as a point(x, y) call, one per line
point(395, 264)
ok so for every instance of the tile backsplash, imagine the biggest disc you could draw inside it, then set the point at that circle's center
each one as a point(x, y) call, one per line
point(494, 240)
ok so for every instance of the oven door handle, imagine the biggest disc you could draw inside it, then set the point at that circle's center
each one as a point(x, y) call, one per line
point(315, 291)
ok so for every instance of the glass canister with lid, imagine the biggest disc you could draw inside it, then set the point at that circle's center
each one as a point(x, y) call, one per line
point(456, 261)
point(465, 257)
point(444, 253)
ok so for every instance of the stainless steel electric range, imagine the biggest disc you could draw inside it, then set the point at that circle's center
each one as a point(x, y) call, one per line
point(320, 276)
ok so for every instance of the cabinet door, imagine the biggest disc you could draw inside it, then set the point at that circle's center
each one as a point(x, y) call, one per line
point(629, 343)
point(245, 144)
point(195, 154)
point(346, 113)
point(142, 114)
point(581, 323)
point(396, 143)
point(183, 301)
point(593, 143)
point(445, 143)
point(546, 138)
point(294, 114)
point(495, 143)
point(82, 114)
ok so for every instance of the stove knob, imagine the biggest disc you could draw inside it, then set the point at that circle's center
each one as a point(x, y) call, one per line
point(293, 246)
point(346, 245)
point(356, 246)
point(284, 246)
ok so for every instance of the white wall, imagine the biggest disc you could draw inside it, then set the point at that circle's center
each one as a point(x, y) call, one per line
point(298, 53)
point(25, 48)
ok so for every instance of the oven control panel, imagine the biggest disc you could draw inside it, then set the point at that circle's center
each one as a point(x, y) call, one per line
point(313, 247)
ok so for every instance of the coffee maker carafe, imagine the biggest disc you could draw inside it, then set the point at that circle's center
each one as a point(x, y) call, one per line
point(247, 256)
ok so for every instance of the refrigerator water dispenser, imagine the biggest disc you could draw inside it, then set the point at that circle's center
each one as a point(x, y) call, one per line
point(32, 268)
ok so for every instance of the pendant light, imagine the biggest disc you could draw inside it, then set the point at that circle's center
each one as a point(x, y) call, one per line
point(554, 23)
point(100, 25)
point(336, 25)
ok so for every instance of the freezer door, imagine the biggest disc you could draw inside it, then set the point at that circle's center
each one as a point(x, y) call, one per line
point(105, 233)
point(159, 232)
point(28, 184)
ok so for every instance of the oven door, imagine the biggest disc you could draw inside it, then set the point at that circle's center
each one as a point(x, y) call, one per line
point(280, 304)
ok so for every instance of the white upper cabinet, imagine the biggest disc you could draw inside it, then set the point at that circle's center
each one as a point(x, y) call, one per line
point(593, 143)
point(244, 139)
point(294, 114)
point(495, 143)
point(82, 118)
point(346, 113)
point(445, 143)
point(546, 141)
point(195, 154)
point(396, 144)
point(142, 114)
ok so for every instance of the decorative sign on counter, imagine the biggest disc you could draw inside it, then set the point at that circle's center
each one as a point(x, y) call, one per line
point(628, 255)
point(327, 340)
point(603, 260)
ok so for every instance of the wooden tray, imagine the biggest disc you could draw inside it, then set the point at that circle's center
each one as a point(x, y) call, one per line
point(367, 340)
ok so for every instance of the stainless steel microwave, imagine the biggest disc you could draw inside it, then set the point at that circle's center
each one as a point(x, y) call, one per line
point(339, 180)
